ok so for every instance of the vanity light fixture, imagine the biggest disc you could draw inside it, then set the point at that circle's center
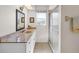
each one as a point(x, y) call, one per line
point(22, 7)
point(29, 7)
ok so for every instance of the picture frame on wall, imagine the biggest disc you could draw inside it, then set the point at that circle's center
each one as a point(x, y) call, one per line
point(31, 19)
point(75, 24)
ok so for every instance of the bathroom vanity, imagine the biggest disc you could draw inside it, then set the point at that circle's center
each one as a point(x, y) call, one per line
point(19, 42)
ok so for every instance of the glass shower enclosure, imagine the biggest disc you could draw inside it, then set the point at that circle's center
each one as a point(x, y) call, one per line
point(54, 30)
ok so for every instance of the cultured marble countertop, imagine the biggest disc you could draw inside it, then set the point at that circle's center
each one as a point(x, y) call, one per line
point(18, 37)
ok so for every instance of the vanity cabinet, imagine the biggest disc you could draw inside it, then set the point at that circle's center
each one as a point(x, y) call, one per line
point(18, 44)
point(31, 43)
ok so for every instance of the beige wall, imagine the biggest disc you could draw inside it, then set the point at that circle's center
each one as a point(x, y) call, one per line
point(8, 19)
point(69, 39)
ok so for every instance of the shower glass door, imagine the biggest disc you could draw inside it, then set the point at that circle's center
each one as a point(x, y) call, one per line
point(54, 30)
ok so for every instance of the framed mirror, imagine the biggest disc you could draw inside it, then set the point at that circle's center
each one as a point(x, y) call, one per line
point(31, 19)
point(20, 20)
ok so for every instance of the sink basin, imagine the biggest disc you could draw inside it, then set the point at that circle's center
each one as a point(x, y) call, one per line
point(28, 31)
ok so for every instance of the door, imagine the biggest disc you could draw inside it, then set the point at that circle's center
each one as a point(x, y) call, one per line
point(54, 30)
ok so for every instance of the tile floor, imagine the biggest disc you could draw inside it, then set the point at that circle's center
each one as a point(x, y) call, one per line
point(42, 48)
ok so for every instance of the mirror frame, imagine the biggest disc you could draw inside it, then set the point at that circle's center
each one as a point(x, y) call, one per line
point(17, 11)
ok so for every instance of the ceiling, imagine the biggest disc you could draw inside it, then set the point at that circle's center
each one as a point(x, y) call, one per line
point(56, 9)
point(41, 8)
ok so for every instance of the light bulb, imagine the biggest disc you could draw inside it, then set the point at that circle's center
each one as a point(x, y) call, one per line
point(29, 7)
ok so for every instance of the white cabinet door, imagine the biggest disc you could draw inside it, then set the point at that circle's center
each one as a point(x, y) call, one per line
point(31, 43)
point(28, 47)
point(12, 48)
